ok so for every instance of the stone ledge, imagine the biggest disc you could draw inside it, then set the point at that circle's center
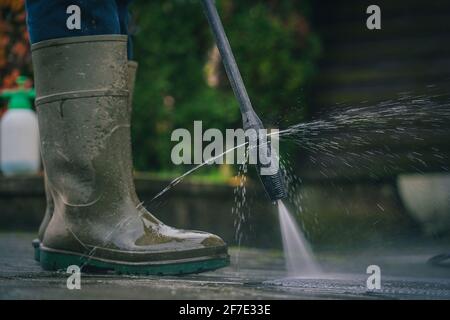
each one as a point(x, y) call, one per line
point(33, 185)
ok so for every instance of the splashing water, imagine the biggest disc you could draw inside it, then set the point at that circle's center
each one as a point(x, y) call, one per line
point(337, 134)
point(240, 209)
point(360, 137)
point(300, 261)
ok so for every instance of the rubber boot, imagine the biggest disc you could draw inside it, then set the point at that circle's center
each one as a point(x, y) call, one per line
point(98, 221)
point(47, 216)
point(132, 70)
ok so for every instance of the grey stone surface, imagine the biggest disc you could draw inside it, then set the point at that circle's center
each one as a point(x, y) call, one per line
point(253, 274)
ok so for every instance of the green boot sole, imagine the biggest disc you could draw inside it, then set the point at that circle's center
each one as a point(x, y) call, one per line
point(56, 260)
point(37, 253)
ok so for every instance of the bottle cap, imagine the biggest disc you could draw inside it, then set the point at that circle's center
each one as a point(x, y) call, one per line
point(19, 98)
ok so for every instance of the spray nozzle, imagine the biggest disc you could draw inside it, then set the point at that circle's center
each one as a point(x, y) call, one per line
point(270, 175)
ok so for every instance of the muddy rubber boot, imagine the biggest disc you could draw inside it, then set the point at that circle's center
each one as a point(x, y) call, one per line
point(47, 216)
point(98, 222)
point(132, 70)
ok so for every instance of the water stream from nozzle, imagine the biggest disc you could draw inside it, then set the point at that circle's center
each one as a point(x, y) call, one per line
point(300, 261)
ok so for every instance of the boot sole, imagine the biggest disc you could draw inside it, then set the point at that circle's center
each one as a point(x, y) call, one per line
point(52, 260)
point(36, 246)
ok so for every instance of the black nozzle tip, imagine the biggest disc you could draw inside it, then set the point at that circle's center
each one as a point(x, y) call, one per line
point(274, 186)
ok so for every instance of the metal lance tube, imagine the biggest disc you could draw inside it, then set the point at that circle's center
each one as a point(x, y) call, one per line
point(273, 183)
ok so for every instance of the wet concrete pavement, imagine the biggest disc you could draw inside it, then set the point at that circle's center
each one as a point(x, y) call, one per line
point(253, 274)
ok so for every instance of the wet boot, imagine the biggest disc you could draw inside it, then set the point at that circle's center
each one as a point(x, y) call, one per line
point(47, 216)
point(98, 221)
point(132, 70)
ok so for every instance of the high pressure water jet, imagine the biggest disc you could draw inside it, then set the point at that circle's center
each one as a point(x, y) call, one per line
point(273, 184)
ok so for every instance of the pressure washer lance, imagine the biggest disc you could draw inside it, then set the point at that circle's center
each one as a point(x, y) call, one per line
point(273, 183)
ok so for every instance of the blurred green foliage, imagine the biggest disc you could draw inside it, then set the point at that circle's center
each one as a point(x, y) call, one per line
point(15, 57)
point(181, 79)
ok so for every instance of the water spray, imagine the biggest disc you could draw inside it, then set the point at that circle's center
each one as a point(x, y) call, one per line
point(273, 184)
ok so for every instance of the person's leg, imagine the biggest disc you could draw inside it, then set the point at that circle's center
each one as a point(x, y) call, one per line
point(124, 21)
point(82, 98)
point(132, 70)
point(47, 19)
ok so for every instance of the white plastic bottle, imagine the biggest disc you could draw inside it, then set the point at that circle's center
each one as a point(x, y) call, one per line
point(19, 136)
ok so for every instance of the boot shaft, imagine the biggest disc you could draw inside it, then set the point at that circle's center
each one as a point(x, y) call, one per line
point(80, 66)
point(132, 70)
point(82, 104)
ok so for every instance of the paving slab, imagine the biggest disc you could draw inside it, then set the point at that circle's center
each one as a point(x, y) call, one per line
point(253, 274)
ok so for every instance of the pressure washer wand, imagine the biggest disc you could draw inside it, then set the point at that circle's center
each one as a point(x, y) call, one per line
point(273, 183)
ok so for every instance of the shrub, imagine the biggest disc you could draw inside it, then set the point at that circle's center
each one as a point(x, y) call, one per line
point(180, 77)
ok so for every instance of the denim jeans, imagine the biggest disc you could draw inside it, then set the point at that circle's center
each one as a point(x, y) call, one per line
point(46, 19)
